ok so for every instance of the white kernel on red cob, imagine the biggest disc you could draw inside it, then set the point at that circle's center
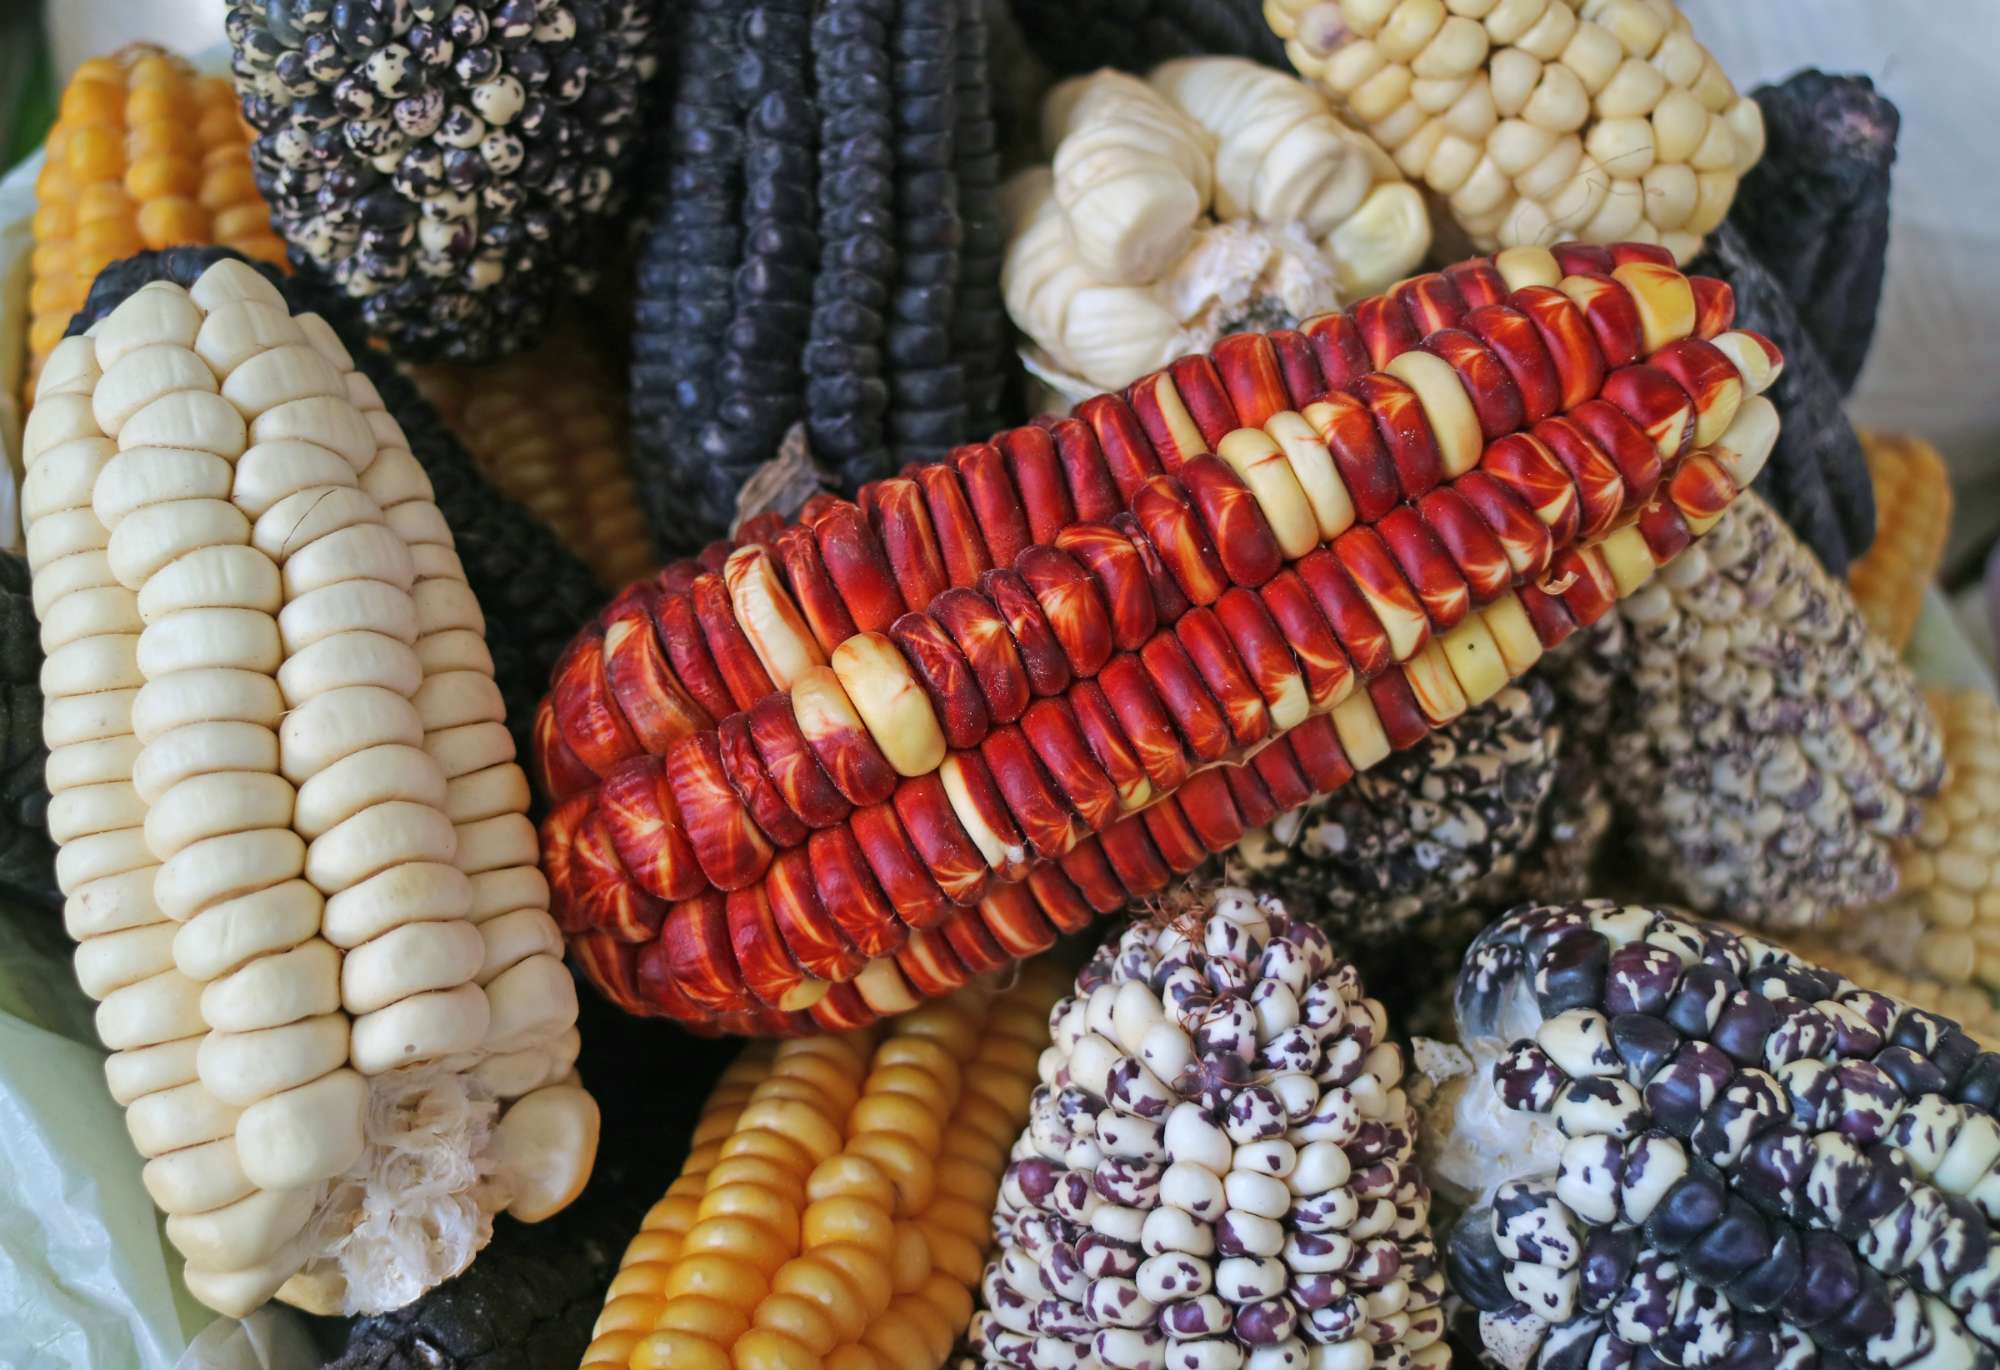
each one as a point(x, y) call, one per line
point(1093, 604)
point(264, 644)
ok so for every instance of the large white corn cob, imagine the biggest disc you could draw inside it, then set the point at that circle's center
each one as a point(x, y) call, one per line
point(295, 839)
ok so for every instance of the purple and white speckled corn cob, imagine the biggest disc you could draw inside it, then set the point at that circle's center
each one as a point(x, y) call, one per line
point(1218, 1170)
point(1765, 746)
point(1756, 1162)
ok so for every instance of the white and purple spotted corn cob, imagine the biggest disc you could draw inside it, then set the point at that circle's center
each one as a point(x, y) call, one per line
point(1764, 745)
point(1218, 1170)
point(1747, 1161)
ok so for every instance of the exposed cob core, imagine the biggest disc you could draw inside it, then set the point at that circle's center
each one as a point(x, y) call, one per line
point(763, 756)
point(1760, 1163)
point(834, 1207)
point(287, 808)
point(1534, 119)
point(1912, 517)
point(1218, 1168)
point(144, 154)
point(548, 427)
point(1766, 747)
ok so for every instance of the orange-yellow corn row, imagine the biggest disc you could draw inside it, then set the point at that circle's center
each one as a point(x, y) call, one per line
point(548, 427)
point(144, 154)
point(836, 1205)
point(1912, 516)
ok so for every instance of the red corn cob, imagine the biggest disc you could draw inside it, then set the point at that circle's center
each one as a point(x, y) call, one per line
point(1092, 675)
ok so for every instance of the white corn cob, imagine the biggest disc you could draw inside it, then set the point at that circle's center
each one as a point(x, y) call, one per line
point(276, 577)
point(1215, 196)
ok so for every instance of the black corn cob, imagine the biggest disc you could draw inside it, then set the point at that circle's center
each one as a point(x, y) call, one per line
point(1140, 34)
point(846, 398)
point(757, 381)
point(27, 860)
point(1815, 209)
point(1742, 1159)
point(1817, 478)
point(522, 576)
point(927, 409)
point(979, 319)
point(1447, 824)
point(686, 276)
point(445, 165)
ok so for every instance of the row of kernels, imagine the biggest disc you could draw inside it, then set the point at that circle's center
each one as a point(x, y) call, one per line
point(144, 154)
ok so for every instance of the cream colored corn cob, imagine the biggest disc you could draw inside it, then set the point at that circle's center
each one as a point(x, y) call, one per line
point(144, 154)
point(1912, 517)
point(834, 1208)
point(1215, 195)
point(284, 783)
point(549, 427)
point(1539, 119)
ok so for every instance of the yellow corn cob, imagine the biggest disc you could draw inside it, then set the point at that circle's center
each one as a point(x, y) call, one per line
point(1973, 1009)
point(1912, 516)
point(549, 428)
point(834, 1208)
point(144, 154)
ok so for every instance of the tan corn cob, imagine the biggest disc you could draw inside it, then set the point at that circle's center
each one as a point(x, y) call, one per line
point(1912, 516)
point(1944, 921)
point(833, 1209)
point(549, 427)
point(1539, 119)
point(144, 154)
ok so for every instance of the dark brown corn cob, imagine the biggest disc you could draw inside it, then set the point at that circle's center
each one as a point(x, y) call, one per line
point(1086, 617)
point(27, 860)
point(1817, 478)
point(1815, 207)
point(1737, 1158)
